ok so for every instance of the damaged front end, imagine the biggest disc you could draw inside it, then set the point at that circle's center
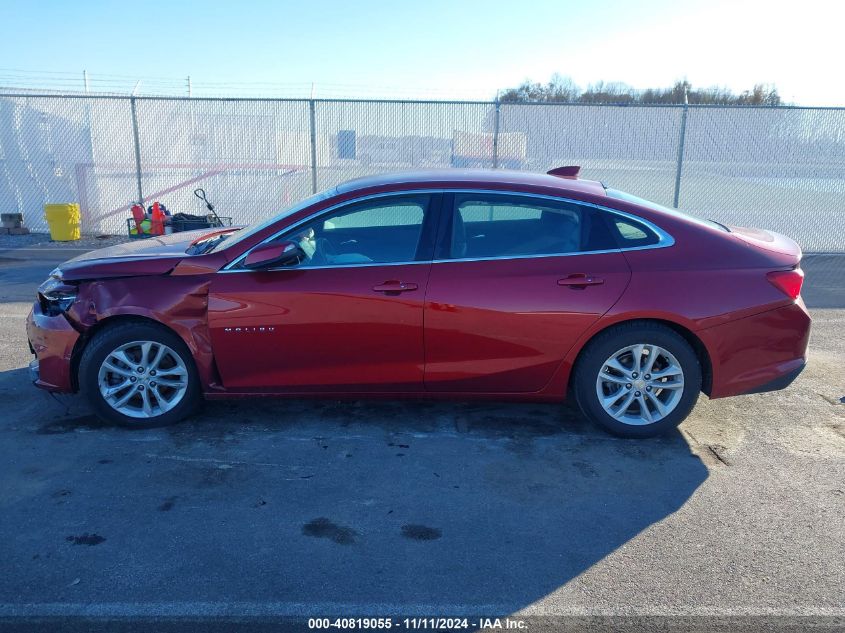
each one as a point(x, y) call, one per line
point(84, 296)
point(52, 339)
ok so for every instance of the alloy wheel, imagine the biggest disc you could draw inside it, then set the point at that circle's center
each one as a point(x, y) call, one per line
point(640, 384)
point(143, 379)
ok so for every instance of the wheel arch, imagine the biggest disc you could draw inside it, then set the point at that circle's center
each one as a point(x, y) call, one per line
point(112, 321)
point(698, 346)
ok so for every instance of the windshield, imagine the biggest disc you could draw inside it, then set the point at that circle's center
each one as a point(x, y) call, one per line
point(233, 238)
point(627, 197)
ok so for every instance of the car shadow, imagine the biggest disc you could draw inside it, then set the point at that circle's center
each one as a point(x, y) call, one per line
point(320, 507)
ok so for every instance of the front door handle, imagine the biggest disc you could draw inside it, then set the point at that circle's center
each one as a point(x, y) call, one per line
point(580, 280)
point(394, 287)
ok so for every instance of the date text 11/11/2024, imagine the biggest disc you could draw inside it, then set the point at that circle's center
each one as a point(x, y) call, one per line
point(420, 623)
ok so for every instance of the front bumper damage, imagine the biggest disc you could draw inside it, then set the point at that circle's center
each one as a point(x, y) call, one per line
point(52, 340)
point(178, 302)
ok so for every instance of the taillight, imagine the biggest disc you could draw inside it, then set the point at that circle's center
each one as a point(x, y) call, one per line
point(787, 281)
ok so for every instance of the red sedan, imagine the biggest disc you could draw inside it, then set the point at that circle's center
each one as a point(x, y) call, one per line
point(443, 284)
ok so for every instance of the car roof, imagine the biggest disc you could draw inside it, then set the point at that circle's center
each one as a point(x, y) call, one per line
point(474, 178)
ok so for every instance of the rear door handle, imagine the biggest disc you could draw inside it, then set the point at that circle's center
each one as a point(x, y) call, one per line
point(394, 287)
point(580, 280)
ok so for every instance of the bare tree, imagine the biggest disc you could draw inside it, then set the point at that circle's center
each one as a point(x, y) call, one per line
point(562, 89)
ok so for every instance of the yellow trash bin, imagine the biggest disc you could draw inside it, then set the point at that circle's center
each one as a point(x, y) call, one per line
point(64, 221)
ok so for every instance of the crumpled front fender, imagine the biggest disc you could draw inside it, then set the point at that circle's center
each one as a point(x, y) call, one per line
point(177, 302)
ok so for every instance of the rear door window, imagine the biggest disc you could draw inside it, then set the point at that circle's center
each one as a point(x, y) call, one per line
point(491, 225)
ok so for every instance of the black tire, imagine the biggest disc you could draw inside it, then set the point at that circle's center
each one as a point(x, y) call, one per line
point(604, 345)
point(108, 340)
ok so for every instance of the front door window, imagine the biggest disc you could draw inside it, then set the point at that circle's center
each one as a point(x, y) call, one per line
point(379, 231)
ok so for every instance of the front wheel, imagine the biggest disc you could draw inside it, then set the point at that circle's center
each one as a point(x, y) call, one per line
point(637, 380)
point(139, 375)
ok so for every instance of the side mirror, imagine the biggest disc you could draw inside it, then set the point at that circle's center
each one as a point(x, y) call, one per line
point(275, 254)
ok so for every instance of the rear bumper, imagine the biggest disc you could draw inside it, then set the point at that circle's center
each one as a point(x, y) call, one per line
point(763, 352)
point(783, 381)
point(52, 339)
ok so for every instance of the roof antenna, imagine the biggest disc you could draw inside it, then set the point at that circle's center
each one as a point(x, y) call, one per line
point(569, 171)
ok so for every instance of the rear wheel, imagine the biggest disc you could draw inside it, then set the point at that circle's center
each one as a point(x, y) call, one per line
point(139, 375)
point(637, 379)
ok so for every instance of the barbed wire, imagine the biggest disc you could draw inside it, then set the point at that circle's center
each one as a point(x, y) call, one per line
point(55, 82)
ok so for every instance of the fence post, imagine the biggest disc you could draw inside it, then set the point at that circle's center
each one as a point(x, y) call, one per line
point(681, 140)
point(313, 147)
point(496, 135)
point(137, 150)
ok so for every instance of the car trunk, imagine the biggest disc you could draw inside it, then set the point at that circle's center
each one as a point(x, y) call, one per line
point(785, 251)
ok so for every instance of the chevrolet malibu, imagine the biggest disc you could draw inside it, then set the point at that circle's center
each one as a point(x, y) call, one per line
point(458, 284)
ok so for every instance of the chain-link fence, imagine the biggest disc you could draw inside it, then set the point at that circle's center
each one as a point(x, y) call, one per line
point(781, 168)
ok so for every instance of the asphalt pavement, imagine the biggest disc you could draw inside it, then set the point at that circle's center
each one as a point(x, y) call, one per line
point(257, 511)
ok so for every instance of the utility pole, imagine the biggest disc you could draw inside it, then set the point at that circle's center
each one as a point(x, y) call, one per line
point(496, 115)
point(681, 140)
point(85, 79)
point(189, 87)
point(313, 117)
point(137, 141)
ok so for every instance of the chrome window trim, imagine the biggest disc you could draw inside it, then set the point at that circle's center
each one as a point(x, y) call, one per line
point(338, 266)
point(541, 256)
point(664, 239)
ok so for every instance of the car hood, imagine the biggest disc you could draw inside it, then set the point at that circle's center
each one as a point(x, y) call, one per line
point(150, 256)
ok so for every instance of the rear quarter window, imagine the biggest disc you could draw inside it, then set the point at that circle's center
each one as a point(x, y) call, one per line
point(627, 197)
point(630, 233)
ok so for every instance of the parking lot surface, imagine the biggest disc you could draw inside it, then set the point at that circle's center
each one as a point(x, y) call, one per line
point(277, 507)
